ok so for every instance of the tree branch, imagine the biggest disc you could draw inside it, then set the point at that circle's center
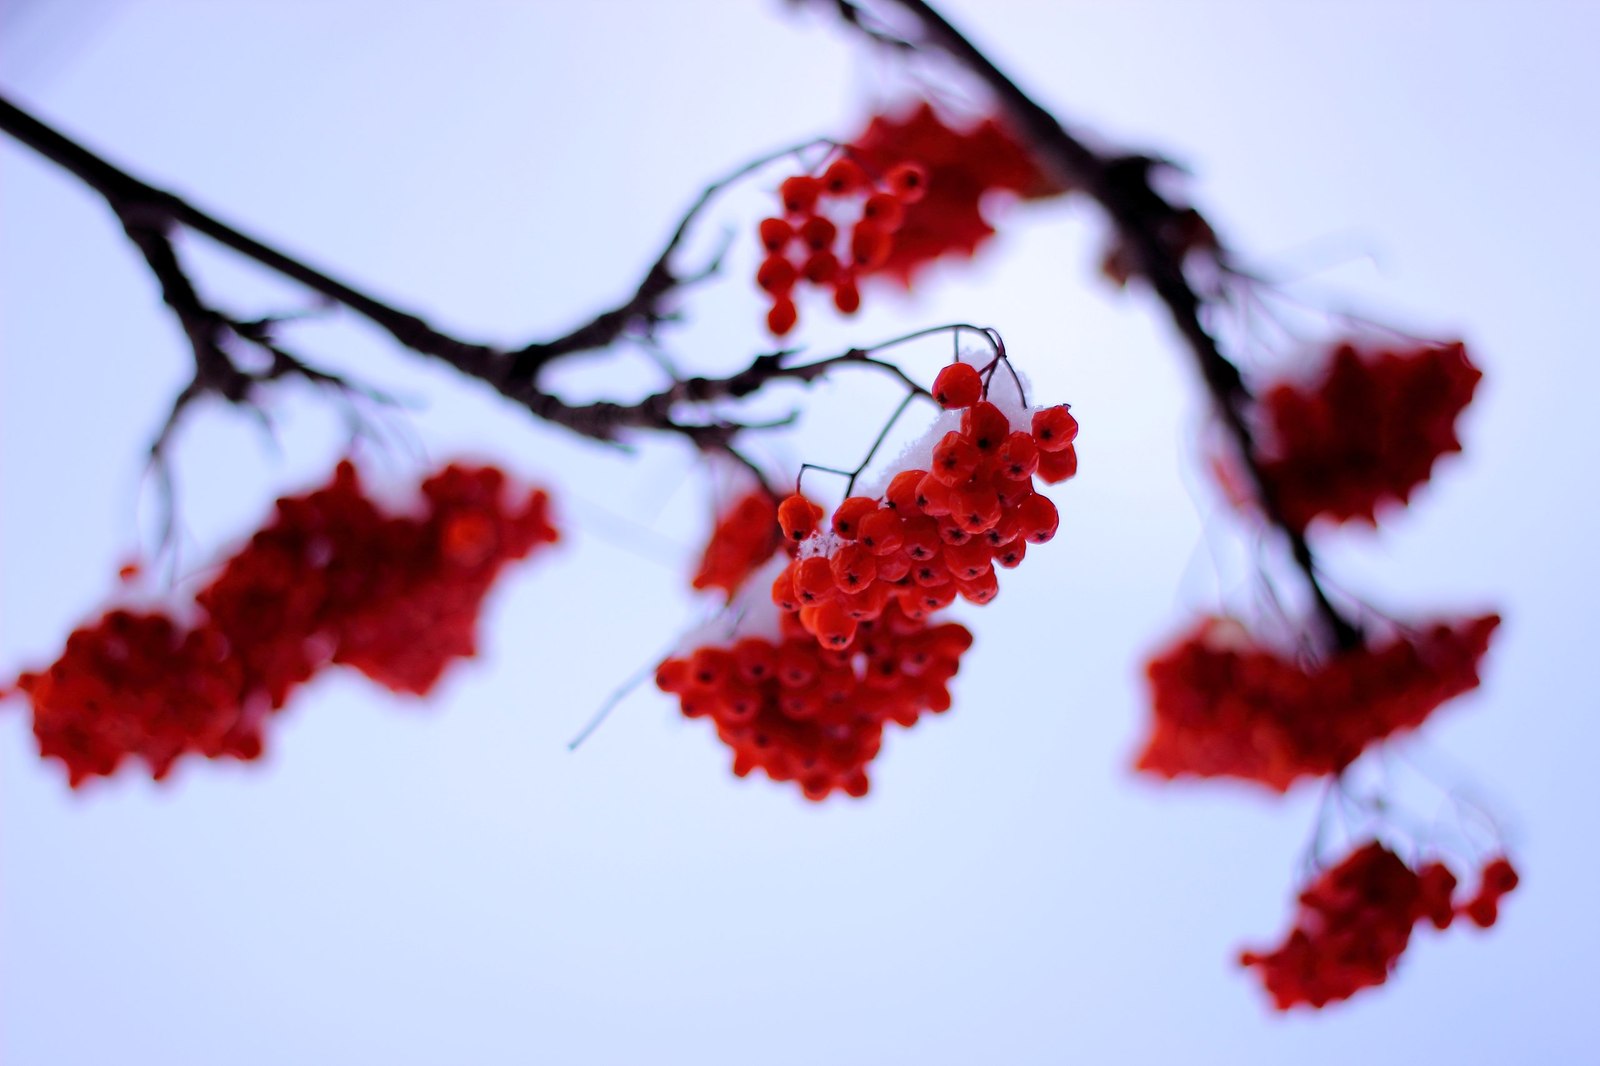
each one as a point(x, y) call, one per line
point(150, 215)
point(1120, 185)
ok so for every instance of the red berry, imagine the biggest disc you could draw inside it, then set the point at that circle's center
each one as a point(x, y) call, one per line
point(1056, 467)
point(880, 532)
point(798, 517)
point(1054, 428)
point(818, 233)
point(1039, 519)
point(870, 245)
point(954, 459)
point(907, 181)
point(985, 425)
point(820, 268)
point(813, 580)
point(958, 385)
point(844, 175)
point(846, 297)
point(1499, 877)
point(776, 274)
point(1019, 457)
point(902, 492)
point(884, 210)
point(775, 233)
point(783, 316)
point(849, 514)
point(799, 194)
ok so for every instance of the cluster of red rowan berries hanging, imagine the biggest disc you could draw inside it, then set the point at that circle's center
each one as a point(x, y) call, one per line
point(1224, 706)
point(903, 193)
point(835, 227)
point(329, 579)
point(846, 641)
point(1355, 921)
point(742, 540)
point(814, 715)
point(936, 533)
point(968, 168)
point(1366, 432)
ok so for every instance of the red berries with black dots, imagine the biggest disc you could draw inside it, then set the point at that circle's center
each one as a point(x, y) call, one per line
point(744, 537)
point(958, 385)
point(935, 535)
point(843, 638)
point(1054, 428)
point(798, 518)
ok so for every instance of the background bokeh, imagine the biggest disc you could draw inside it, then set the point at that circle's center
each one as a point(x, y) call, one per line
point(407, 882)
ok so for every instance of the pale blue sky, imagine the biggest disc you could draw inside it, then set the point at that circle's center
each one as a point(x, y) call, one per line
point(444, 883)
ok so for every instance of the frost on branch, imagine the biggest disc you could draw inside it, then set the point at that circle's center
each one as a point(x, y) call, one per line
point(1356, 918)
point(330, 579)
point(1224, 705)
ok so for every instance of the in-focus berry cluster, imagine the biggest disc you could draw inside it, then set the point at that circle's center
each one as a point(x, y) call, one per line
point(329, 579)
point(936, 533)
point(1355, 921)
point(835, 637)
point(1365, 433)
point(1224, 706)
point(813, 715)
point(835, 227)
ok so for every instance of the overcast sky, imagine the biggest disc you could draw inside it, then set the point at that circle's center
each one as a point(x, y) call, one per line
point(442, 882)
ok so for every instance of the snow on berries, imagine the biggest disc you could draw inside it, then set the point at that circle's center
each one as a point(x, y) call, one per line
point(330, 579)
point(1355, 921)
point(837, 636)
point(1224, 705)
point(906, 191)
point(1365, 433)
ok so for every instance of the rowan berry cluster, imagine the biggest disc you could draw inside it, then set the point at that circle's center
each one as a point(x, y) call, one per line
point(835, 227)
point(965, 167)
point(936, 533)
point(1224, 706)
point(906, 191)
point(845, 641)
point(743, 538)
point(1355, 921)
point(801, 712)
point(138, 683)
point(1365, 433)
point(329, 579)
